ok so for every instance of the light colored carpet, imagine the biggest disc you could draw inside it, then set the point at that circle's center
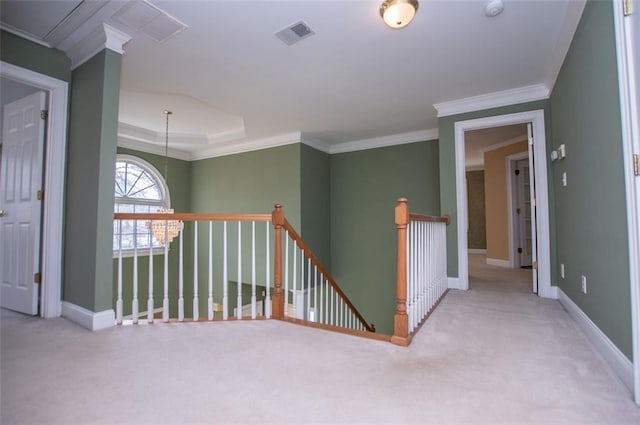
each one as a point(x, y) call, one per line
point(486, 356)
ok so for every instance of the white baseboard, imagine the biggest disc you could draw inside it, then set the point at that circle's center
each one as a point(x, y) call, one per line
point(499, 263)
point(88, 319)
point(453, 283)
point(476, 251)
point(620, 364)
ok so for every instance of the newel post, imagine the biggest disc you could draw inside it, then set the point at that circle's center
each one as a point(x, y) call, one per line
point(277, 302)
point(400, 320)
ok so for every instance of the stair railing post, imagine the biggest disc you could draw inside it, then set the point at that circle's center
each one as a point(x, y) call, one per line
point(277, 303)
point(400, 319)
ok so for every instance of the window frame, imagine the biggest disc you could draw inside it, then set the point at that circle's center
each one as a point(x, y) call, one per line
point(165, 201)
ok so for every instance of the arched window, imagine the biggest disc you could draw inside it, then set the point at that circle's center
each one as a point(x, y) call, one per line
point(139, 188)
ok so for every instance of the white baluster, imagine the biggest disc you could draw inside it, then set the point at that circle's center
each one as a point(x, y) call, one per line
point(253, 269)
point(196, 300)
point(239, 301)
point(181, 278)
point(331, 315)
point(308, 315)
point(267, 307)
point(286, 275)
point(210, 299)
point(326, 302)
point(119, 298)
point(225, 276)
point(165, 300)
point(134, 302)
point(295, 277)
point(150, 303)
point(315, 293)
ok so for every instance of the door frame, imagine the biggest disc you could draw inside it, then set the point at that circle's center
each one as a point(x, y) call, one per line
point(536, 118)
point(52, 234)
point(628, 82)
point(514, 260)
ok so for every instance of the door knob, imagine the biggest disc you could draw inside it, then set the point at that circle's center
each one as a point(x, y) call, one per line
point(1, 213)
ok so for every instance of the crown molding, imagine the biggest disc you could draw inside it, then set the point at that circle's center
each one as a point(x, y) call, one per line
point(236, 147)
point(493, 100)
point(380, 142)
point(316, 143)
point(23, 34)
point(102, 37)
point(140, 146)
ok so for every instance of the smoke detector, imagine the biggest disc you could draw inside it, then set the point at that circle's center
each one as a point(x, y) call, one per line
point(294, 33)
point(493, 8)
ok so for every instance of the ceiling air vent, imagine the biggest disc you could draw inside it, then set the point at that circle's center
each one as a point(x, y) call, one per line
point(150, 20)
point(294, 33)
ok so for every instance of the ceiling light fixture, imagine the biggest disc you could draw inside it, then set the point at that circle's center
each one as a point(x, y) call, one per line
point(493, 8)
point(165, 231)
point(398, 13)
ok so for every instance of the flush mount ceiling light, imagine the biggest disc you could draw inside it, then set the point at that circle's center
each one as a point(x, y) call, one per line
point(493, 8)
point(398, 13)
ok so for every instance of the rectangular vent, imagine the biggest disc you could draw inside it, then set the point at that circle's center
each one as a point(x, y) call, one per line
point(150, 20)
point(294, 33)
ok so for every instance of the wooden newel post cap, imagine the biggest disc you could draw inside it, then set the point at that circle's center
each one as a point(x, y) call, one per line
point(277, 216)
point(402, 212)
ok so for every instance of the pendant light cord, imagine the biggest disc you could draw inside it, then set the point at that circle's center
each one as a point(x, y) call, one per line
point(166, 148)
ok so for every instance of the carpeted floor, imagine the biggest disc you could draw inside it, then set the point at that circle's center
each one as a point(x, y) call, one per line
point(495, 354)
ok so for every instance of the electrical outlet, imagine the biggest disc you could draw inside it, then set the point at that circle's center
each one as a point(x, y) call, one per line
point(564, 179)
point(562, 270)
point(583, 281)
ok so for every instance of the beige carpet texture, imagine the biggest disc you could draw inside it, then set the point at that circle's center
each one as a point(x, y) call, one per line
point(495, 354)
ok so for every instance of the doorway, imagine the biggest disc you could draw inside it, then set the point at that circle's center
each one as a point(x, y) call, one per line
point(537, 149)
point(54, 159)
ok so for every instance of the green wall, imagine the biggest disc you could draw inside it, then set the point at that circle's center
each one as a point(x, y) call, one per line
point(365, 186)
point(315, 202)
point(250, 182)
point(89, 198)
point(447, 151)
point(591, 209)
point(29, 55)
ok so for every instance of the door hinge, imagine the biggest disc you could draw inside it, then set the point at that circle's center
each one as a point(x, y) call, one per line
point(535, 265)
point(44, 114)
point(626, 7)
point(517, 172)
point(533, 202)
point(518, 211)
point(519, 250)
point(40, 195)
point(636, 164)
point(37, 278)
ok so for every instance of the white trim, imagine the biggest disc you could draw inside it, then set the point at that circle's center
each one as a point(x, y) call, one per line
point(247, 146)
point(154, 149)
point(453, 283)
point(493, 100)
point(629, 105)
point(544, 252)
point(567, 31)
point(23, 34)
point(88, 319)
point(476, 251)
point(315, 143)
point(554, 292)
point(620, 364)
point(497, 262)
point(102, 37)
point(513, 260)
point(474, 167)
point(505, 143)
point(54, 187)
point(380, 142)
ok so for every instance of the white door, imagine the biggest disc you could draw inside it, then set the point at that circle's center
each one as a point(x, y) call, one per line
point(532, 197)
point(20, 181)
point(523, 212)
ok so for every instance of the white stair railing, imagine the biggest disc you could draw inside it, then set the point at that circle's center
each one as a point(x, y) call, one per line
point(422, 269)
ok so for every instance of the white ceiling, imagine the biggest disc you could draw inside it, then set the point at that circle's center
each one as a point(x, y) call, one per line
point(230, 81)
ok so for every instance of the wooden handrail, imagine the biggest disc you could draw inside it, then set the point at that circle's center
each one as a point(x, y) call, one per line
point(192, 217)
point(431, 218)
point(314, 260)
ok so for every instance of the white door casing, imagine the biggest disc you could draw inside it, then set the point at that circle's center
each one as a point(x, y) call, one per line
point(20, 183)
point(533, 207)
point(54, 161)
point(536, 118)
point(523, 214)
point(627, 35)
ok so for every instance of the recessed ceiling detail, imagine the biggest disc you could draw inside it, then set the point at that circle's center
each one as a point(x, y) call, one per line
point(294, 33)
point(149, 20)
